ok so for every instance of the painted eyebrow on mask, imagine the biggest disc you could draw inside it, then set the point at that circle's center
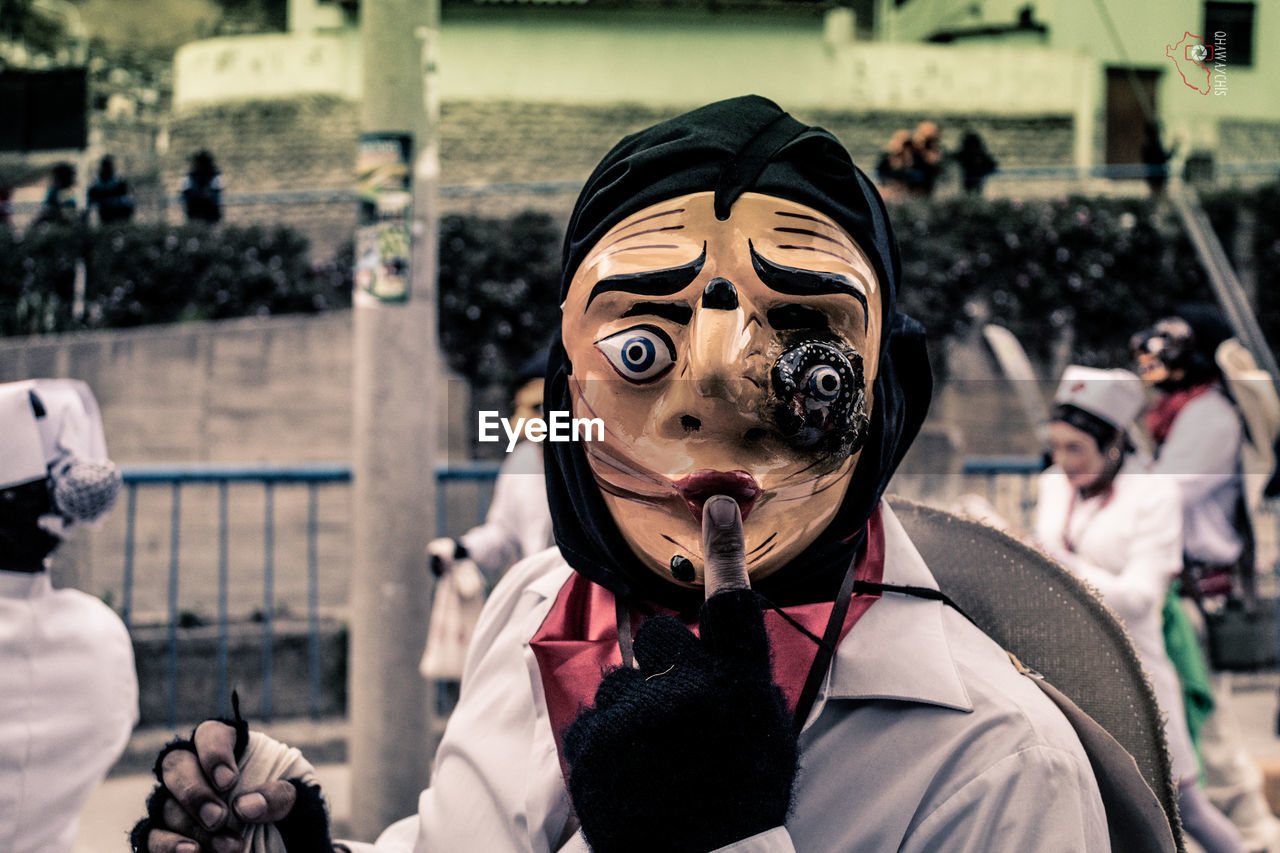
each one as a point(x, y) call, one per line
point(676, 312)
point(665, 282)
point(800, 282)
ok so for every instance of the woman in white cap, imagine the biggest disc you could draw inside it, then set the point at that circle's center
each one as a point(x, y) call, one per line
point(68, 688)
point(1100, 514)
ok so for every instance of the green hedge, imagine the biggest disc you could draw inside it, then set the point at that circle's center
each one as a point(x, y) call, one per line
point(499, 292)
point(1101, 268)
point(142, 274)
point(1096, 268)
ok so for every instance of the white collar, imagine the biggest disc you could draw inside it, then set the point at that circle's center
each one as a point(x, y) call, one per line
point(898, 649)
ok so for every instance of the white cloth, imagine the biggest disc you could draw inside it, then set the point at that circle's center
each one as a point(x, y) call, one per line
point(1128, 546)
point(924, 738)
point(68, 702)
point(518, 523)
point(1202, 455)
point(265, 760)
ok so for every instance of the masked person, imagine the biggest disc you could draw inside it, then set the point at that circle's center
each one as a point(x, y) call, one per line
point(729, 288)
point(68, 688)
point(1103, 515)
point(1198, 437)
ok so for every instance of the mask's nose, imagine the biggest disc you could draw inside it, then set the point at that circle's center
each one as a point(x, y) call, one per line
point(720, 342)
point(725, 385)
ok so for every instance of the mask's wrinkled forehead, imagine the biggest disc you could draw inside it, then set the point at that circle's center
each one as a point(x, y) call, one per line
point(730, 148)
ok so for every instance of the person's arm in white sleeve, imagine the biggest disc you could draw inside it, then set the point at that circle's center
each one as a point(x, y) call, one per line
point(1203, 448)
point(1153, 561)
point(519, 500)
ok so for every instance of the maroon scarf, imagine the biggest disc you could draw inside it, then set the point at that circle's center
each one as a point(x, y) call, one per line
point(578, 639)
point(1160, 417)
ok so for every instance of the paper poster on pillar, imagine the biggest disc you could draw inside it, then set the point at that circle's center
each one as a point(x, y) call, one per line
point(383, 241)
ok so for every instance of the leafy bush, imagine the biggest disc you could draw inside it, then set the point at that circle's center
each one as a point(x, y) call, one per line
point(1095, 269)
point(142, 274)
point(499, 293)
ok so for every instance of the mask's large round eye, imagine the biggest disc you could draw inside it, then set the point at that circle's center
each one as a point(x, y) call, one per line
point(639, 354)
point(824, 383)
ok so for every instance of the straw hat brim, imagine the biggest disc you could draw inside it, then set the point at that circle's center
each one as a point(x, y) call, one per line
point(1055, 625)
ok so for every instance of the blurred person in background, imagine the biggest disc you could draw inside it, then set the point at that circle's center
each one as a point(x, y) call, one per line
point(59, 204)
point(68, 688)
point(1156, 158)
point(894, 169)
point(975, 162)
point(109, 194)
point(928, 157)
point(517, 525)
point(202, 189)
point(1198, 437)
point(1102, 514)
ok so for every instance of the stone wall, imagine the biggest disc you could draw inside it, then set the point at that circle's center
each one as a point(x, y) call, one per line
point(1242, 141)
point(309, 144)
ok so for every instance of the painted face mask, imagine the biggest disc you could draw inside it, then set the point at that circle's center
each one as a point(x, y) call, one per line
point(729, 315)
point(724, 357)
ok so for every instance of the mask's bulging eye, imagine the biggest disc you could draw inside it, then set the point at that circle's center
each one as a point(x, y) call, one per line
point(824, 383)
point(639, 354)
point(820, 402)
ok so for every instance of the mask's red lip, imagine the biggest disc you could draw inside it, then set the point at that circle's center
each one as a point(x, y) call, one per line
point(701, 485)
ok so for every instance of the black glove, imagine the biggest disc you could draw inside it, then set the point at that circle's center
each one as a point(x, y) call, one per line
point(692, 751)
point(305, 829)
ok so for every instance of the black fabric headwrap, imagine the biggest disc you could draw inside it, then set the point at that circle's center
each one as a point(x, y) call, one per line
point(745, 144)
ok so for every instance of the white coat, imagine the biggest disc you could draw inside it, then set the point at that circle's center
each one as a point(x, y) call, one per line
point(68, 702)
point(518, 523)
point(1202, 455)
point(924, 738)
point(1127, 546)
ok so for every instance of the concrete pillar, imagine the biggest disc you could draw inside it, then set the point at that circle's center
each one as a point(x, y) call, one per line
point(394, 423)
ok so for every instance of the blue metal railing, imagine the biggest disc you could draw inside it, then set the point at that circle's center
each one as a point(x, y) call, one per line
point(268, 478)
point(311, 477)
point(1007, 480)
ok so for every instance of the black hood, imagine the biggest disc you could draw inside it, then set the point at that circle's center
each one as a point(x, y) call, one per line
point(745, 144)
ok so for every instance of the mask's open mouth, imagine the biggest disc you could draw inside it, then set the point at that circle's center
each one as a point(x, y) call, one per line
point(701, 485)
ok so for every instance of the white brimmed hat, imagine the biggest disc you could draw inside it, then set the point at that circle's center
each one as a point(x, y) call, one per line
point(1115, 396)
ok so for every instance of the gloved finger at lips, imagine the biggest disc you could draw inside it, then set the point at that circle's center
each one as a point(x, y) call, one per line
point(732, 625)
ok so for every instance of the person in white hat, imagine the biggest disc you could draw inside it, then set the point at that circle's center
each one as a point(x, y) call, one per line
point(1103, 516)
point(1199, 435)
point(68, 687)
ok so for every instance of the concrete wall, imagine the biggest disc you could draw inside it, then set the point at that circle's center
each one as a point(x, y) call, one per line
point(308, 143)
point(265, 66)
point(683, 62)
point(271, 390)
point(197, 687)
point(232, 391)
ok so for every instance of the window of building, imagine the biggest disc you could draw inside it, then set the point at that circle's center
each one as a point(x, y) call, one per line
point(1235, 22)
